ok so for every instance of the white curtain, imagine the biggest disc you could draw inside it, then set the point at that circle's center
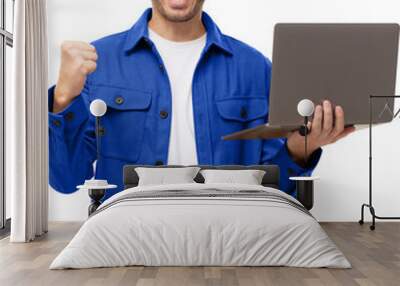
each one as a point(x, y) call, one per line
point(26, 123)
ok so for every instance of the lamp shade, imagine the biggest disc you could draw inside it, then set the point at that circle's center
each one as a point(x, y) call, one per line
point(98, 107)
point(305, 107)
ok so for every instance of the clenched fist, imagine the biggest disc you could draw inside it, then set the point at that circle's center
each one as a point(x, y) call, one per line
point(78, 60)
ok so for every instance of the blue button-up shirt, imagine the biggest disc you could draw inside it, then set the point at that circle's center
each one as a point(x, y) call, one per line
point(230, 92)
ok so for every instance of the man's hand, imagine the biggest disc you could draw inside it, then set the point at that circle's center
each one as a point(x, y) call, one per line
point(78, 60)
point(324, 130)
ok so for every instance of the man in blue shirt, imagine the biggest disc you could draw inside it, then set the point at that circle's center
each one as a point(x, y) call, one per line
point(135, 73)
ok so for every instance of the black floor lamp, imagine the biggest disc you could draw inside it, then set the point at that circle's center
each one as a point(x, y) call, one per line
point(370, 204)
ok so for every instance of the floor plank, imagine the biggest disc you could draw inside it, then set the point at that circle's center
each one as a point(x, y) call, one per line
point(375, 257)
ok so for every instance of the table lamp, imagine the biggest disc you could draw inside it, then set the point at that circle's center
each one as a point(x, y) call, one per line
point(98, 108)
point(305, 184)
point(305, 108)
point(96, 187)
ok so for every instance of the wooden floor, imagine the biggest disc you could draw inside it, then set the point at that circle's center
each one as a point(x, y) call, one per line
point(375, 257)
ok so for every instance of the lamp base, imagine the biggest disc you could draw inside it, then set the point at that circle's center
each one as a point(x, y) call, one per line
point(96, 195)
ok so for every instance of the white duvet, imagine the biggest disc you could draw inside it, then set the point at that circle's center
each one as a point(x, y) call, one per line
point(202, 231)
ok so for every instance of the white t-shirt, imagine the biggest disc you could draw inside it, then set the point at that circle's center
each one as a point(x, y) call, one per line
point(180, 60)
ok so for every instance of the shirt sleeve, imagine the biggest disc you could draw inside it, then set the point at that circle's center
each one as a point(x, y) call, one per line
point(70, 119)
point(71, 144)
point(275, 152)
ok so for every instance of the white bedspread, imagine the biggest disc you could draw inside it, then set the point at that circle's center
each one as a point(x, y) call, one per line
point(226, 231)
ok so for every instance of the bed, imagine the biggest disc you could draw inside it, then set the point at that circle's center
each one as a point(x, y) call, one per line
point(198, 224)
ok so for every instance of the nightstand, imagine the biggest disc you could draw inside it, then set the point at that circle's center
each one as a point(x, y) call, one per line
point(96, 191)
point(305, 190)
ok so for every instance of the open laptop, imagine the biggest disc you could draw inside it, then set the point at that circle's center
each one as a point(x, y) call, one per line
point(345, 63)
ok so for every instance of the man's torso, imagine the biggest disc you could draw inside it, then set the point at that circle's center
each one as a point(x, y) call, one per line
point(230, 87)
point(180, 60)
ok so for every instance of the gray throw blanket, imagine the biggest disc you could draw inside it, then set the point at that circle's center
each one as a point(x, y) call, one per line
point(206, 194)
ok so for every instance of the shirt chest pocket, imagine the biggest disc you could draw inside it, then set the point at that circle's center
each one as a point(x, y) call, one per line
point(237, 113)
point(123, 125)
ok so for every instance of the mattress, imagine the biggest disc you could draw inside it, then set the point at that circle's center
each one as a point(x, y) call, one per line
point(201, 225)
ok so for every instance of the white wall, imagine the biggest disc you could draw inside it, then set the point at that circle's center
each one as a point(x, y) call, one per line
point(344, 166)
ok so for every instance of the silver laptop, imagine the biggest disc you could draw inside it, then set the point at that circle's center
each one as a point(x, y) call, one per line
point(345, 63)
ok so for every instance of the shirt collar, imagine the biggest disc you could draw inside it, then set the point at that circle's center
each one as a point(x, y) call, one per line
point(140, 31)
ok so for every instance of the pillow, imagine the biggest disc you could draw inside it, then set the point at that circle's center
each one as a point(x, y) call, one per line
point(166, 176)
point(248, 177)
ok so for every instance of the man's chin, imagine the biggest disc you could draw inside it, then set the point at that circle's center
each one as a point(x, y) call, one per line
point(179, 16)
point(179, 11)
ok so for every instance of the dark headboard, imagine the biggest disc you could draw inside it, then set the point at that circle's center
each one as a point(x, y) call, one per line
point(270, 179)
